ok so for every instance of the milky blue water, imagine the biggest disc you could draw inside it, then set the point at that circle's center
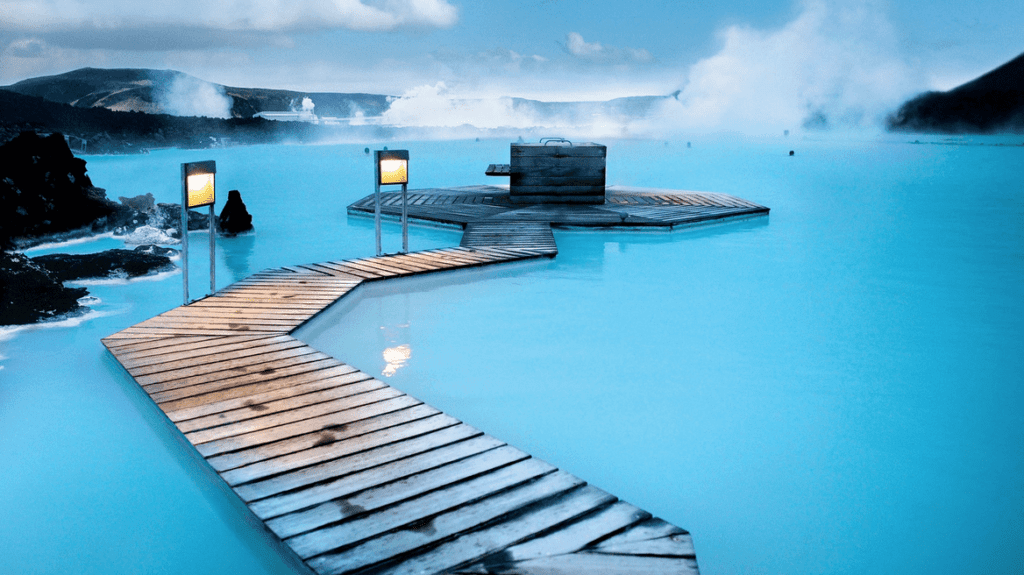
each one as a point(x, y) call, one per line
point(834, 389)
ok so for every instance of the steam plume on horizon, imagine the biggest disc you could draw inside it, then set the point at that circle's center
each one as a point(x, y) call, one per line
point(190, 96)
point(835, 65)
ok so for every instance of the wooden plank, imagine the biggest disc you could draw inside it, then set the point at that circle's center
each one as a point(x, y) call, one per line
point(593, 564)
point(417, 509)
point(651, 529)
point(115, 342)
point(372, 272)
point(558, 189)
point(459, 522)
point(557, 151)
point(543, 167)
point(227, 372)
point(359, 462)
point(172, 331)
point(211, 394)
point(154, 345)
point(250, 352)
point(194, 352)
point(284, 405)
point(352, 271)
point(380, 267)
point(419, 494)
point(261, 394)
point(316, 415)
point(366, 424)
point(341, 448)
point(530, 181)
point(572, 537)
point(470, 546)
point(680, 545)
point(333, 492)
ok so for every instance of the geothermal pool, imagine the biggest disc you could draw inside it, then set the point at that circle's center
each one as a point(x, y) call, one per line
point(834, 389)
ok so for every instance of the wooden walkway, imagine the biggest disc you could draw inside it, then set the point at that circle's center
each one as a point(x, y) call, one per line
point(355, 476)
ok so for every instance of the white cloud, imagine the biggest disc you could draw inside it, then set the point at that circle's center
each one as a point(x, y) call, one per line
point(595, 51)
point(264, 15)
point(27, 48)
point(579, 47)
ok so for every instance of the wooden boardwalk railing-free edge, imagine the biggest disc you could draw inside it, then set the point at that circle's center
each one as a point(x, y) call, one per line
point(355, 476)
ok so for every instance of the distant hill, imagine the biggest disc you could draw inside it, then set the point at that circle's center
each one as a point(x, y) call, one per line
point(99, 130)
point(177, 93)
point(991, 103)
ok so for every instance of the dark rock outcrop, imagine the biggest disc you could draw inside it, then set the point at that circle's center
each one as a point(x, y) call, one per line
point(992, 103)
point(44, 189)
point(141, 261)
point(235, 218)
point(30, 293)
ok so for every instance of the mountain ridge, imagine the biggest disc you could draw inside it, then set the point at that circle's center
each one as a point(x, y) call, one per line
point(991, 103)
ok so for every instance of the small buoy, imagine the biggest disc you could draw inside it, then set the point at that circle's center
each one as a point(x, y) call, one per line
point(687, 144)
point(785, 132)
point(791, 152)
point(366, 150)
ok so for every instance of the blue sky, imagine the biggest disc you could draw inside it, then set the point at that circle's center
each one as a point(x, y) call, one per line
point(729, 57)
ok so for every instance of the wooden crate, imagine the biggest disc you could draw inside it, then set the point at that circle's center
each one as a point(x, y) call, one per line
point(557, 173)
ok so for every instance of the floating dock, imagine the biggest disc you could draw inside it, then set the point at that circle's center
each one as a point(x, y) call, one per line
point(623, 207)
point(354, 476)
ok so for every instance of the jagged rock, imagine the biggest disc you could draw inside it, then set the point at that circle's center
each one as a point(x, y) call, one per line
point(142, 203)
point(44, 189)
point(141, 261)
point(29, 293)
point(234, 218)
point(171, 215)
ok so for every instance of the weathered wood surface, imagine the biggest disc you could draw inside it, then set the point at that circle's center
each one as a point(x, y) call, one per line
point(355, 476)
point(557, 173)
point(620, 206)
point(497, 170)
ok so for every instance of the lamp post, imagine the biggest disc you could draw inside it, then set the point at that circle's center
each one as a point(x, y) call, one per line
point(198, 189)
point(391, 167)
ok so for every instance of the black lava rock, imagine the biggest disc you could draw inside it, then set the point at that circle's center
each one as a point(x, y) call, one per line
point(29, 293)
point(991, 103)
point(141, 261)
point(44, 189)
point(234, 218)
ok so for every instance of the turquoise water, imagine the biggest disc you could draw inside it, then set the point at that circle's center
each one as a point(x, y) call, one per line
point(833, 389)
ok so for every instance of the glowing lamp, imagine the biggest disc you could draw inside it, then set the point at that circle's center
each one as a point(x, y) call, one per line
point(392, 167)
point(200, 188)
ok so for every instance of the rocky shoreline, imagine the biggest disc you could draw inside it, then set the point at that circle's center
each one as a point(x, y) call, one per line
point(47, 197)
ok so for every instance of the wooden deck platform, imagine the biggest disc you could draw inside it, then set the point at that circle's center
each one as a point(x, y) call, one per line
point(623, 207)
point(355, 476)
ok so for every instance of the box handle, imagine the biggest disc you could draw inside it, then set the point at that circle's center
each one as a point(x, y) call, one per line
point(547, 141)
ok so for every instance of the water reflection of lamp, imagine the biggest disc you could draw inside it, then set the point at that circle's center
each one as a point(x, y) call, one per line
point(198, 189)
point(396, 358)
point(391, 167)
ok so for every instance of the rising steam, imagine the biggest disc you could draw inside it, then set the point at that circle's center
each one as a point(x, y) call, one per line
point(186, 95)
point(836, 65)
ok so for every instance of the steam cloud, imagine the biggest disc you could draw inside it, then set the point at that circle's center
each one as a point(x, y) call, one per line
point(190, 96)
point(836, 65)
